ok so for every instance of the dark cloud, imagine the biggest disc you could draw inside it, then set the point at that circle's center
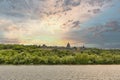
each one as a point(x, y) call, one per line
point(112, 26)
point(97, 2)
point(104, 35)
point(67, 5)
point(76, 24)
point(22, 8)
point(67, 9)
point(71, 24)
point(95, 11)
point(73, 3)
point(9, 41)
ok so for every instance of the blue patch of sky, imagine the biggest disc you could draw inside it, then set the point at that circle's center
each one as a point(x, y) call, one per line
point(109, 14)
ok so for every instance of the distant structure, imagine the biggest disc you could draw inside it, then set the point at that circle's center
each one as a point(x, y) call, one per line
point(82, 48)
point(44, 46)
point(68, 45)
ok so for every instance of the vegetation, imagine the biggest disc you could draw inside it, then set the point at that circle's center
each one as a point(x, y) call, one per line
point(20, 54)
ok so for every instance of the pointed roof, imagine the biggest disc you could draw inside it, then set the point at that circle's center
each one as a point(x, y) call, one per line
point(68, 45)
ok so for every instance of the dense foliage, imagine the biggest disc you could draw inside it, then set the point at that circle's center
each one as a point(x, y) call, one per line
point(20, 54)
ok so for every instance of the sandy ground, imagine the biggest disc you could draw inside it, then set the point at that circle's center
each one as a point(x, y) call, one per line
point(63, 72)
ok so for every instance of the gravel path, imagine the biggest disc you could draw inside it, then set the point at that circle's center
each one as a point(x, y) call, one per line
point(63, 72)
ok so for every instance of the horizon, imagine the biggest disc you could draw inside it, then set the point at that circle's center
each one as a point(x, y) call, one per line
point(93, 23)
point(57, 46)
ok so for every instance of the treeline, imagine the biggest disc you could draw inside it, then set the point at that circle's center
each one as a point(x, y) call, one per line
point(28, 55)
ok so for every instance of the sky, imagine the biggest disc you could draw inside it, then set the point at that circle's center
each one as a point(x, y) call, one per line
point(93, 23)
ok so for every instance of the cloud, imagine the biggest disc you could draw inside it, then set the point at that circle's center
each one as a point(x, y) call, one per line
point(11, 32)
point(99, 3)
point(95, 11)
point(76, 24)
point(22, 8)
point(103, 33)
point(73, 3)
point(9, 41)
point(24, 20)
point(111, 26)
point(30, 9)
point(99, 35)
point(67, 5)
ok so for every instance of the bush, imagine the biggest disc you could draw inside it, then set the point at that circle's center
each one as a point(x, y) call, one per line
point(20, 54)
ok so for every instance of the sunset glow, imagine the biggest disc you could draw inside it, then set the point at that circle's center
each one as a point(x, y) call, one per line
point(94, 23)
